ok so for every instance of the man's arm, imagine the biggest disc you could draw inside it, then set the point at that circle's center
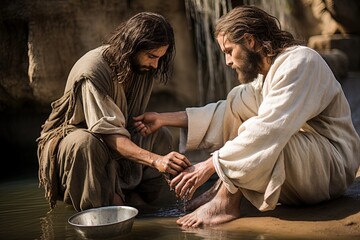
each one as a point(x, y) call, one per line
point(100, 119)
point(150, 122)
point(172, 163)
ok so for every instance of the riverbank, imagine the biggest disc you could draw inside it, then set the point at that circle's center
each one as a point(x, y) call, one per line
point(24, 211)
point(336, 219)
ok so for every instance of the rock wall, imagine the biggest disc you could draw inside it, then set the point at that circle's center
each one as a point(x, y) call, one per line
point(39, 43)
point(339, 37)
point(43, 39)
point(329, 26)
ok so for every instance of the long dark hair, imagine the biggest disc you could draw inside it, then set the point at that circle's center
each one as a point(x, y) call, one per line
point(266, 29)
point(143, 31)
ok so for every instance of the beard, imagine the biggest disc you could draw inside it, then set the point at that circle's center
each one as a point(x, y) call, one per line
point(250, 67)
point(141, 69)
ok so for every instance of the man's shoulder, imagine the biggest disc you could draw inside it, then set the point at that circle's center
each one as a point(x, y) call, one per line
point(93, 54)
point(297, 55)
point(300, 50)
point(92, 60)
point(91, 66)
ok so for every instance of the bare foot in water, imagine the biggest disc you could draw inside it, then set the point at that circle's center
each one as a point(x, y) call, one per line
point(203, 198)
point(224, 207)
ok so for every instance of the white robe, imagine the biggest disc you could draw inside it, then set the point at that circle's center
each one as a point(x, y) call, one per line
point(288, 137)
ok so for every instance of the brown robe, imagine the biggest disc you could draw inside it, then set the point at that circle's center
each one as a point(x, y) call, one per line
point(75, 164)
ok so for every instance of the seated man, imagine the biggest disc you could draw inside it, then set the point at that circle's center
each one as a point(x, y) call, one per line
point(285, 135)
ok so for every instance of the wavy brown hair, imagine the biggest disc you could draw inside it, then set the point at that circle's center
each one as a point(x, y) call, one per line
point(143, 31)
point(266, 30)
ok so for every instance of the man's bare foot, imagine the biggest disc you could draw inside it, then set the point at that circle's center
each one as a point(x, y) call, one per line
point(224, 207)
point(203, 198)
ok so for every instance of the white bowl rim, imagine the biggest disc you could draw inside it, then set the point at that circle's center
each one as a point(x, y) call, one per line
point(101, 225)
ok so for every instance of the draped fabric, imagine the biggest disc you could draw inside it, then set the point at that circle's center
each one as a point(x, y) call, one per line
point(74, 162)
point(287, 137)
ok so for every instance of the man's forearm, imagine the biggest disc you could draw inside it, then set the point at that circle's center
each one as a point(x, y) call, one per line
point(129, 150)
point(174, 119)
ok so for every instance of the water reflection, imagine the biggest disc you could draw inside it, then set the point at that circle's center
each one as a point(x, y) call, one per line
point(24, 214)
point(54, 224)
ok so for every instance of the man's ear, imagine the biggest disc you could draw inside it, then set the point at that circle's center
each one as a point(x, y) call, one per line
point(249, 40)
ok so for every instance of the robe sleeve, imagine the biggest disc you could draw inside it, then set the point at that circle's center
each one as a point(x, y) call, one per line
point(210, 126)
point(204, 128)
point(101, 114)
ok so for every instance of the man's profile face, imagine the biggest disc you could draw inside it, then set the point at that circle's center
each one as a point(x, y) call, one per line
point(243, 60)
point(148, 60)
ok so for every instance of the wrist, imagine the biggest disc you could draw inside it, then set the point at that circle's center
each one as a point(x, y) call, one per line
point(156, 162)
point(210, 166)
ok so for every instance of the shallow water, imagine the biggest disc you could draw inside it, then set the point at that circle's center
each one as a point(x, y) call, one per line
point(24, 215)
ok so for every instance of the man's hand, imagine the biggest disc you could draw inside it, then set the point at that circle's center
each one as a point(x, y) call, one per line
point(147, 123)
point(186, 183)
point(150, 122)
point(172, 163)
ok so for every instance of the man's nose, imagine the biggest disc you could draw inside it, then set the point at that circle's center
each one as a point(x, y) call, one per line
point(228, 60)
point(154, 63)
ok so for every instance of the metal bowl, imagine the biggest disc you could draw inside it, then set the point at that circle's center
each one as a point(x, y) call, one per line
point(104, 222)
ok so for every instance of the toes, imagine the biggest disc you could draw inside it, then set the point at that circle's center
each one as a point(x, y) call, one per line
point(189, 221)
point(181, 220)
point(193, 223)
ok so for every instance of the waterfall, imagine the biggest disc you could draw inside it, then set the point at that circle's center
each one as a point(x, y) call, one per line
point(215, 79)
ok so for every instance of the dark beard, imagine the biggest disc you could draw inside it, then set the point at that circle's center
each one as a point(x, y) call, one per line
point(141, 71)
point(251, 70)
point(137, 69)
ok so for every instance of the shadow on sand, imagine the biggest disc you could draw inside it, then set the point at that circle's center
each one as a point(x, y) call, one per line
point(336, 209)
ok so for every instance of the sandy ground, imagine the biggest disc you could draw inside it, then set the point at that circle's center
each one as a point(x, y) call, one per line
point(336, 219)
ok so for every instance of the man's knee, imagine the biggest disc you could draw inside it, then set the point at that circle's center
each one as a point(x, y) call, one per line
point(81, 140)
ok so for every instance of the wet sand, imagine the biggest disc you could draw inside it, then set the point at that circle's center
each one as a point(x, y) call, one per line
point(336, 219)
